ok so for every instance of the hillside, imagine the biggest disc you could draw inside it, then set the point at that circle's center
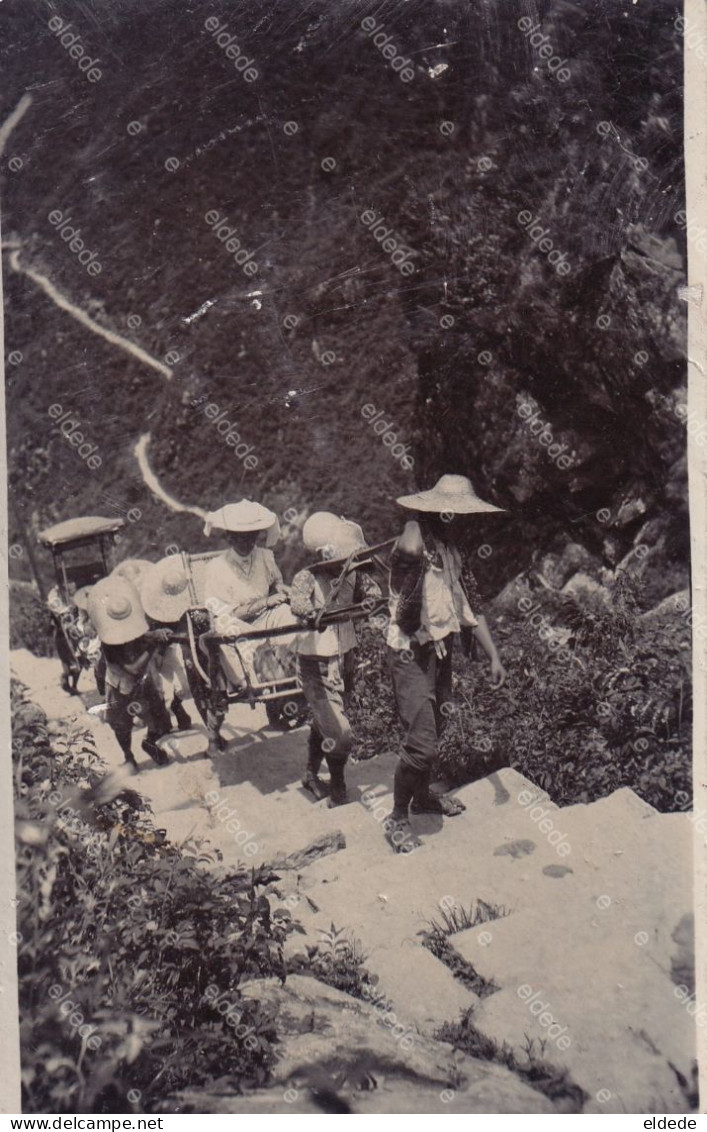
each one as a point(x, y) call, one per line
point(482, 133)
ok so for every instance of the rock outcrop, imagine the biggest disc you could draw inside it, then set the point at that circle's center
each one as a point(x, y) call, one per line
point(338, 1054)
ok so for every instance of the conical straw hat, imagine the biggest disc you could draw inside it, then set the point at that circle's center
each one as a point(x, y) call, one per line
point(115, 610)
point(452, 495)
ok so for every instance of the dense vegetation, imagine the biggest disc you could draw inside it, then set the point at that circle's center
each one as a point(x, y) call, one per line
point(135, 934)
point(450, 159)
point(30, 621)
point(618, 712)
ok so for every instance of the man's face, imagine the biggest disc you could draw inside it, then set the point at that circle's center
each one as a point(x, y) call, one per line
point(242, 541)
point(447, 527)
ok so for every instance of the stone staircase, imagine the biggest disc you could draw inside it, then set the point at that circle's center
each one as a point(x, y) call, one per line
point(593, 901)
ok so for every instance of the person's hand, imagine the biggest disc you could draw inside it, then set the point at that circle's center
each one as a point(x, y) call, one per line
point(440, 649)
point(159, 636)
point(275, 599)
point(410, 541)
point(308, 619)
point(498, 673)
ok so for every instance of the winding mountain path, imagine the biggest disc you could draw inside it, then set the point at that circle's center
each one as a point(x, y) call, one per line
point(154, 485)
point(85, 319)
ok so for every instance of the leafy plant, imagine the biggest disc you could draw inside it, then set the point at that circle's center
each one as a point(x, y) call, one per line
point(337, 960)
point(30, 622)
point(618, 714)
point(131, 931)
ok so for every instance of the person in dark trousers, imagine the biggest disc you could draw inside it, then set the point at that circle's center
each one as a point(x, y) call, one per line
point(326, 658)
point(129, 647)
point(433, 598)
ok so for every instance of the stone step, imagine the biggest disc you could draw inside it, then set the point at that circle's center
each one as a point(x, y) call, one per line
point(614, 925)
point(403, 970)
point(612, 997)
point(595, 896)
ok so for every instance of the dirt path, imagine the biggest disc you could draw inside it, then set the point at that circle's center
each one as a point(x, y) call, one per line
point(154, 485)
point(80, 315)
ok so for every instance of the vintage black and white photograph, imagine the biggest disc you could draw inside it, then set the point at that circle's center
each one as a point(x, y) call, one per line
point(352, 439)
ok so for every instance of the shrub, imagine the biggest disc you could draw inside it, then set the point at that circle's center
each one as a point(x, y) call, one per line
point(339, 961)
point(120, 935)
point(30, 621)
point(618, 713)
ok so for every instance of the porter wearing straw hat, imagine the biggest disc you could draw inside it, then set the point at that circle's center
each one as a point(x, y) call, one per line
point(243, 590)
point(164, 589)
point(433, 597)
point(128, 644)
point(325, 659)
point(165, 596)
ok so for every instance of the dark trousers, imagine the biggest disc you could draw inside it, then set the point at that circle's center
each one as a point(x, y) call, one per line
point(422, 684)
point(327, 683)
point(145, 701)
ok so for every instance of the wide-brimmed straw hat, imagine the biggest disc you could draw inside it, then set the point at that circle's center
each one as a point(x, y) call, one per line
point(331, 536)
point(452, 495)
point(116, 612)
point(132, 569)
point(244, 516)
point(164, 590)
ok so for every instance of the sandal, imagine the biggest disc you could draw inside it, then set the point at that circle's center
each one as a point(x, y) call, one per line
point(438, 804)
point(337, 798)
point(216, 745)
point(314, 784)
point(158, 756)
point(399, 835)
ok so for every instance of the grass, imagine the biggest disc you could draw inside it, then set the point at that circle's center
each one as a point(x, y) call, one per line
point(551, 1080)
point(457, 919)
